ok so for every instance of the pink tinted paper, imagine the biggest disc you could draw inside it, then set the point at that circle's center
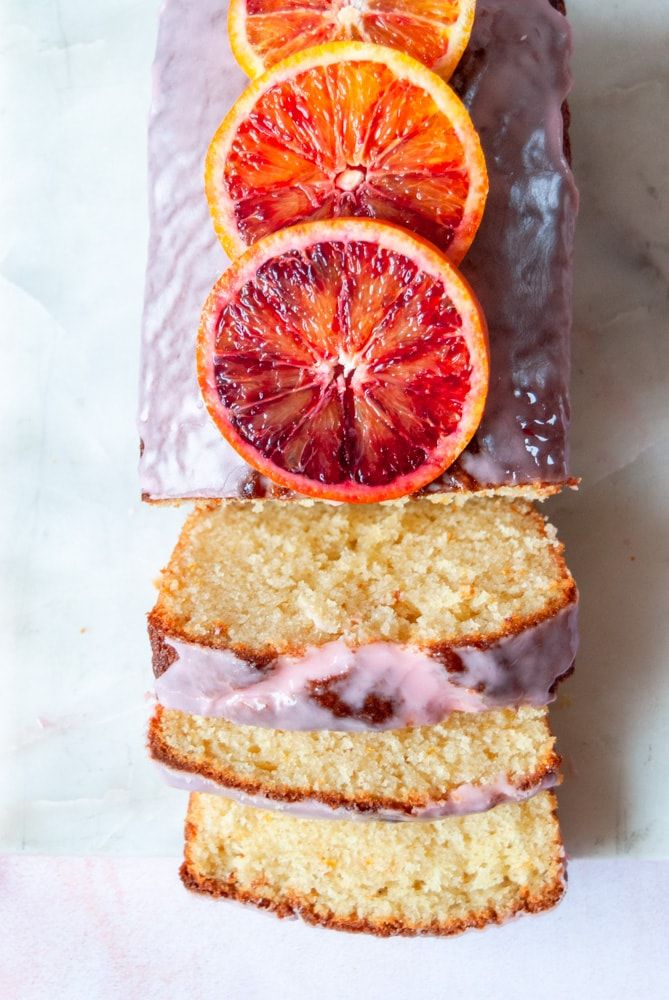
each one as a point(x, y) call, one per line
point(102, 929)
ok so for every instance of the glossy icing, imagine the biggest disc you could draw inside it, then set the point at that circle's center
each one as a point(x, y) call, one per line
point(379, 686)
point(514, 77)
point(466, 798)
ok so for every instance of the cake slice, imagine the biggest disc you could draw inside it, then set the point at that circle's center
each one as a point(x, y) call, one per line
point(467, 764)
point(513, 78)
point(298, 616)
point(440, 877)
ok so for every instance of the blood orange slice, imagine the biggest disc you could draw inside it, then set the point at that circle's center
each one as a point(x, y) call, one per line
point(263, 32)
point(347, 129)
point(344, 359)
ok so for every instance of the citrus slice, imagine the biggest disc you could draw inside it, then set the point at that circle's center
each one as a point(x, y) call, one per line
point(344, 359)
point(347, 129)
point(263, 32)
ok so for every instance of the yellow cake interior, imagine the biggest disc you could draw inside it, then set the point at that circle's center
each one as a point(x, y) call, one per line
point(437, 877)
point(284, 576)
point(412, 766)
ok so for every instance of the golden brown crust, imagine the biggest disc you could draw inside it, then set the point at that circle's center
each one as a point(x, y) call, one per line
point(162, 654)
point(162, 627)
point(293, 906)
point(163, 753)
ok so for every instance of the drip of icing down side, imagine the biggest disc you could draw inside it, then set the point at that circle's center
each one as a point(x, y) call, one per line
point(466, 798)
point(381, 685)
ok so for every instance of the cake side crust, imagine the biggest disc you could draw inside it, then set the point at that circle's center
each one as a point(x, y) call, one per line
point(162, 628)
point(545, 776)
point(293, 906)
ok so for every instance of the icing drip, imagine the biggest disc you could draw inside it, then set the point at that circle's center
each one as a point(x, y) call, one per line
point(379, 686)
point(466, 798)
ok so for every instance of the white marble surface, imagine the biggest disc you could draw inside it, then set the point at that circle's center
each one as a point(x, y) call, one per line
point(79, 550)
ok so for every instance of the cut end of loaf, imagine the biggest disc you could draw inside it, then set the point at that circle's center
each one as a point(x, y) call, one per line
point(269, 579)
point(497, 754)
point(386, 879)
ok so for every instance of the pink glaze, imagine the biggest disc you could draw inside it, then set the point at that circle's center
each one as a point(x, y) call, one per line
point(466, 798)
point(513, 78)
point(381, 685)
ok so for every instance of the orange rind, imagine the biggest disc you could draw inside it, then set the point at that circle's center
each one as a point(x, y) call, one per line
point(345, 360)
point(347, 129)
point(263, 32)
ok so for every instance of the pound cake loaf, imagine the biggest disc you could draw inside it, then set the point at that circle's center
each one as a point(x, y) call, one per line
point(467, 764)
point(440, 877)
point(513, 79)
point(392, 332)
point(362, 617)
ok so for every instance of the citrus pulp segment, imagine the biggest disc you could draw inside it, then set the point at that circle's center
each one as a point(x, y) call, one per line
point(347, 129)
point(263, 32)
point(345, 360)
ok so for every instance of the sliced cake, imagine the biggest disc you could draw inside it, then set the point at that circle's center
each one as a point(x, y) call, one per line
point(395, 324)
point(467, 764)
point(299, 616)
point(440, 877)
